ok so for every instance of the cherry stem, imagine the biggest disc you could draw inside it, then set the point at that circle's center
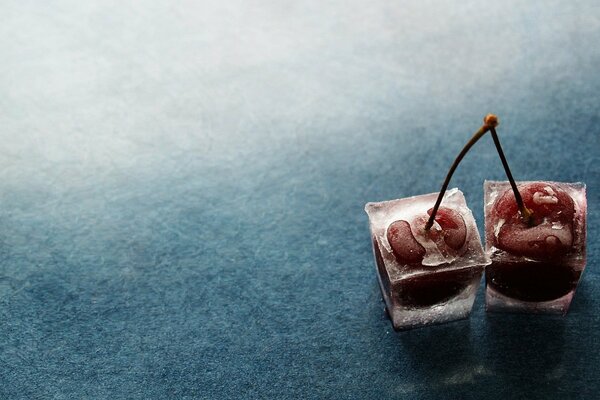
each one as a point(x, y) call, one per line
point(526, 213)
point(488, 123)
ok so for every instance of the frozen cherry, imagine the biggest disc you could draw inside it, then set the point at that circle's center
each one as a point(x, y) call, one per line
point(431, 289)
point(449, 239)
point(404, 245)
point(549, 232)
point(531, 281)
point(454, 229)
point(438, 266)
point(545, 200)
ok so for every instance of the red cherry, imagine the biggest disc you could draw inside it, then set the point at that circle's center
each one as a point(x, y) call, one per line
point(532, 281)
point(430, 289)
point(552, 232)
point(453, 227)
point(406, 248)
point(544, 199)
point(449, 239)
point(538, 241)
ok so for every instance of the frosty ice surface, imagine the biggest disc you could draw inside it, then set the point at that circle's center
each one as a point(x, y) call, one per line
point(426, 277)
point(534, 268)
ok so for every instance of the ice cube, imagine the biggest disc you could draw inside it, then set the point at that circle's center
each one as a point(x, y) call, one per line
point(426, 277)
point(535, 268)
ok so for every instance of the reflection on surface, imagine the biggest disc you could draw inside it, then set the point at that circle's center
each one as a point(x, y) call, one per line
point(493, 355)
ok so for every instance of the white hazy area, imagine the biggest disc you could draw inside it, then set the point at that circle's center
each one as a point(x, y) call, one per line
point(161, 86)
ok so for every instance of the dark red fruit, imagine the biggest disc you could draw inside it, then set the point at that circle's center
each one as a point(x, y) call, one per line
point(537, 242)
point(551, 233)
point(530, 281)
point(544, 199)
point(449, 239)
point(427, 290)
point(406, 248)
point(454, 229)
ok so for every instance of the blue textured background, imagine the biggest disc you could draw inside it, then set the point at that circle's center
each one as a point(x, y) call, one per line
point(182, 188)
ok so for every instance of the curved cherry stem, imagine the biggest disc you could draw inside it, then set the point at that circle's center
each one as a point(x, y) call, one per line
point(487, 125)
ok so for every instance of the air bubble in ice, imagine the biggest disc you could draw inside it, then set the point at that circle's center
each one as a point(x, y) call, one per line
point(541, 198)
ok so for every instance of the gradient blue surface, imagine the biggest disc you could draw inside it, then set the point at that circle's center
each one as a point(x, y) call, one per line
point(182, 188)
